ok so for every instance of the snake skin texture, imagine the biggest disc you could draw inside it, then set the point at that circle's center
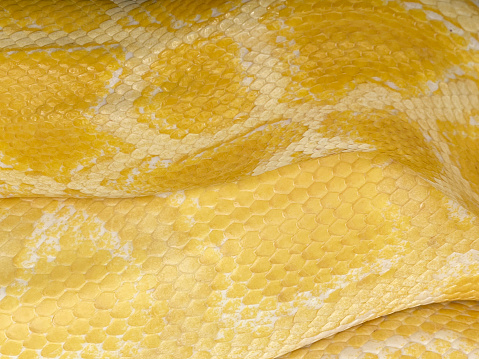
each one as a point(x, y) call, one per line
point(239, 179)
point(444, 330)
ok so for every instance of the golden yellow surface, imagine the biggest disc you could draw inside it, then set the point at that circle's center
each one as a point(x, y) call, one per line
point(239, 179)
point(443, 330)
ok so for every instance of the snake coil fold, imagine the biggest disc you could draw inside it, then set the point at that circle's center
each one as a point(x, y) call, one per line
point(228, 179)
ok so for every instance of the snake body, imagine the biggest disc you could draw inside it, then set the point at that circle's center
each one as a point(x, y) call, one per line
point(239, 179)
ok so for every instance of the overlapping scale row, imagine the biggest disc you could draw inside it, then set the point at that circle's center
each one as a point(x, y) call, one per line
point(260, 174)
point(139, 98)
point(254, 268)
point(436, 331)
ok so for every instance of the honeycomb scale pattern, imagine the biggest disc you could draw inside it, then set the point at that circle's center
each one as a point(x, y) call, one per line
point(443, 330)
point(253, 268)
point(238, 179)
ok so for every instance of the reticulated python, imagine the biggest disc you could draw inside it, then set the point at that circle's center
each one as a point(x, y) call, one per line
point(239, 179)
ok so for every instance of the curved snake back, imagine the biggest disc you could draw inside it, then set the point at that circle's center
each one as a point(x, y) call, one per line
point(238, 179)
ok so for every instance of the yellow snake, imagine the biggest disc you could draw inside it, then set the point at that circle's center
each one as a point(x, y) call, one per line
point(239, 179)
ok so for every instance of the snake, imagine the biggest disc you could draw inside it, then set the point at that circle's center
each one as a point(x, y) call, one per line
point(239, 179)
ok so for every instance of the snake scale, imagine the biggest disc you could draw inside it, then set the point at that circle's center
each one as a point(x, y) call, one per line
point(239, 179)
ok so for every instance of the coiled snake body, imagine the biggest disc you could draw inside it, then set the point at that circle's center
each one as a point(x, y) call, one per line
point(239, 179)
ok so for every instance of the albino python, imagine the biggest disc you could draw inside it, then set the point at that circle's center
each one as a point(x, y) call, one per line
point(239, 179)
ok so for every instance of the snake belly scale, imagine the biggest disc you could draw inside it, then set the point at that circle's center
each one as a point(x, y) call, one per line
point(239, 179)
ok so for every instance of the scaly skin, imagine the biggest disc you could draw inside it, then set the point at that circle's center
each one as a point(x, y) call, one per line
point(443, 330)
point(238, 179)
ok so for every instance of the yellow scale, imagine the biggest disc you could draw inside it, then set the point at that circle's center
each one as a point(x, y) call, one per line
point(239, 179)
